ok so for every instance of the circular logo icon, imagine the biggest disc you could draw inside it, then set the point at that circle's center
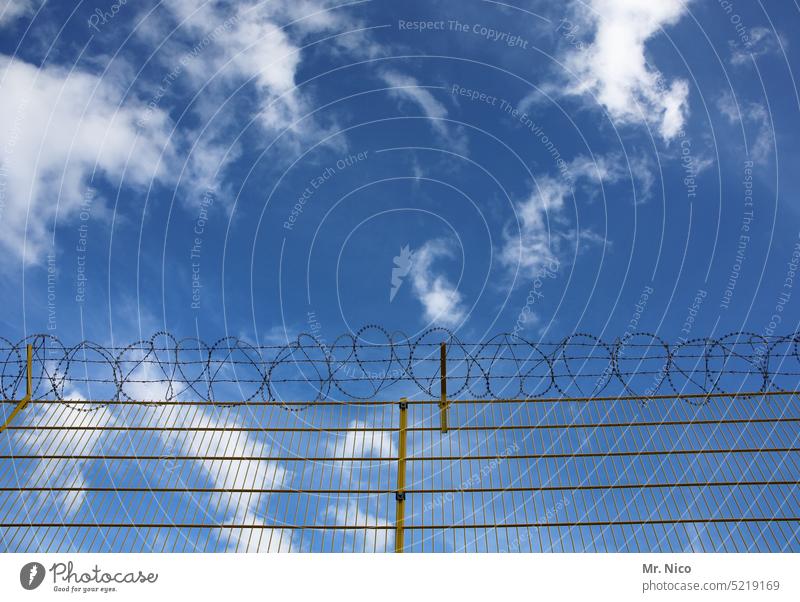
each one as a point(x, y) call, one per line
point(31, 575)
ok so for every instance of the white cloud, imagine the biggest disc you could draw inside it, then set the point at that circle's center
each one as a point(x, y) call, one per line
point(614, 167)
point(536, 244)
point(364, 444)
point(59, 128)
point(229, 51)
point(11, 10)
point(249, 42)
point(614, 69)
point(441, 300)
point(755, 119)
point(642, 168)
point(761, 41)
point(56, 473)
point(360, 514)
point(408, 88)
point(602, 168)
point(244, 509)
point(219, 440)
point(544, 232)
point(366, 510)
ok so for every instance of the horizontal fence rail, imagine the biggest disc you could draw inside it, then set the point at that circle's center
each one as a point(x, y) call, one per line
point(89, 463)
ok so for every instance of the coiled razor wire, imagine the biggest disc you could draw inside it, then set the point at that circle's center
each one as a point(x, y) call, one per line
point(374, 362)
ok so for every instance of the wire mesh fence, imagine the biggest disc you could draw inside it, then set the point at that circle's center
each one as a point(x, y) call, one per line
point(703, 468)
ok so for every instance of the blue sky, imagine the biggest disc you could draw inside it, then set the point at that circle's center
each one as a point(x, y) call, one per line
point(260, 170)
point(622, 169)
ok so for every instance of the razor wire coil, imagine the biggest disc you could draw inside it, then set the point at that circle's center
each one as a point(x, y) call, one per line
point(373, 361)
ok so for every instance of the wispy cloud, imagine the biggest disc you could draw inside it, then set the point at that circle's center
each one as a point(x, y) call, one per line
point(256, 44)
point(408, 88)
point(368, 510)
point(755, 119)
point(535, 244)
point(62, 473)
point(542, 233)
point(761, 42)
point(11, 10)
point(248, 509)
point(442, 302)
point(61, 128)
point(364, 443)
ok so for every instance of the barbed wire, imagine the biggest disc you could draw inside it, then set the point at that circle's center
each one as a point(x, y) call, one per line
point(373, 361)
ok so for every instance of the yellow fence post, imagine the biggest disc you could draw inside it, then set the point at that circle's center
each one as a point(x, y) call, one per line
point(28, 390)
point(443, 387)
point(29, 387)
point(400, 494)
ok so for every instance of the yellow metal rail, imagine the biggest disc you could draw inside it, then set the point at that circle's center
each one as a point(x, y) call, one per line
point(400, 494)
point(28, 391)
point(443, 387)
point(506, 479)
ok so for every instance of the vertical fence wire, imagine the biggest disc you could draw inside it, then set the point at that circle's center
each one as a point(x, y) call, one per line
point(152, 466)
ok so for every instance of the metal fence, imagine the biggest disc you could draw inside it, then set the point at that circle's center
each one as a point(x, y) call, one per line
point(153, 460)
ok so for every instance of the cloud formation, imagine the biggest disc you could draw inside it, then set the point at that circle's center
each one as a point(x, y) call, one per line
point(760, 42)
point(755, 121)
point(409, 89)
point(545, 233)
point(441, 301)
point(11, 10)
point(59, 129)
point(614, 69)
